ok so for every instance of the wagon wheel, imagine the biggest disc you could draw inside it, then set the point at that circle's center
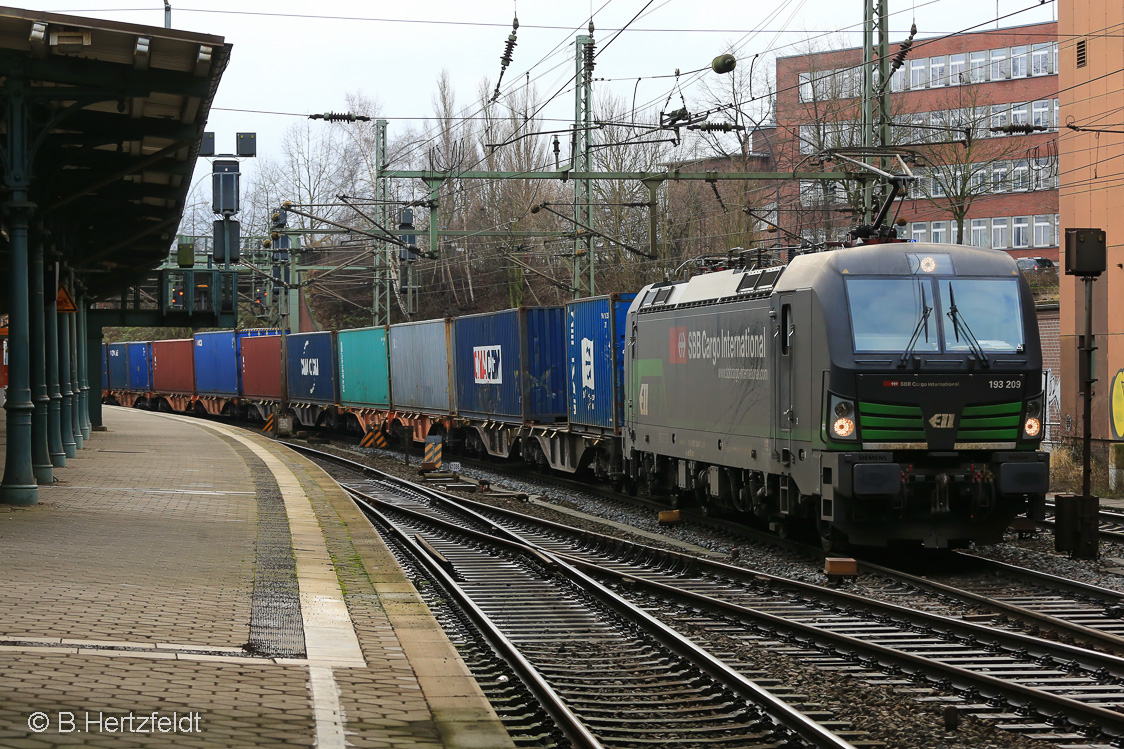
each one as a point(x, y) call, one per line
point(831, 538)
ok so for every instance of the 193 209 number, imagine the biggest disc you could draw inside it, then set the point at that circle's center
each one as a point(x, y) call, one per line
point(1004, 384)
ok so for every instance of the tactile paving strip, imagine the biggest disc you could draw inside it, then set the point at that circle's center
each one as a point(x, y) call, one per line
point(276, 626)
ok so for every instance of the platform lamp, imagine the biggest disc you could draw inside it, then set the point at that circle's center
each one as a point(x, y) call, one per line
point(1076, 526)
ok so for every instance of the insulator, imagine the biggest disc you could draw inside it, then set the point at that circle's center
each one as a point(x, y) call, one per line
point(589, 50)
point(716, 127)
point(505, 60)
point(338, 117)
point(724, 64)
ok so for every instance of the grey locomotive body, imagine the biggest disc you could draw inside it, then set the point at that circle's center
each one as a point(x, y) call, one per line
point(888, 392)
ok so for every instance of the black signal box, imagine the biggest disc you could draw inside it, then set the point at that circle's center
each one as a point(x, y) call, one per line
point(1085, 252)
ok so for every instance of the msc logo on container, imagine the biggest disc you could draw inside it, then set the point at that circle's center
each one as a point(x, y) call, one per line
point(486, 365)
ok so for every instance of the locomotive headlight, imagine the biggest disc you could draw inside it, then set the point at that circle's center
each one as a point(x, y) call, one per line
point(842, 420)
point(1032, 426)
point(843, 427)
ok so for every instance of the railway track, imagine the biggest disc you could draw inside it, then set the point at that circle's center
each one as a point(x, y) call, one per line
point(1047, 690)
point(1111, 524)
point(608, 674)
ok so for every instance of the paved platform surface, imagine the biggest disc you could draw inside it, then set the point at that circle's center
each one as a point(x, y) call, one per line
point(191, 584)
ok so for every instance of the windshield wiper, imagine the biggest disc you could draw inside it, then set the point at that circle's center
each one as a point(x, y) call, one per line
point(959, 323)
point(926, 310)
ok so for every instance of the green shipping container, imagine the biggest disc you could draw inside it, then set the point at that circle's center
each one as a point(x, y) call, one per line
point(364, 368)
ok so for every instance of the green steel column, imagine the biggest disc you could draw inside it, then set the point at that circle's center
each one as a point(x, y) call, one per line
point(54, 410)
point(582, 161)
point(867, 131)
point(40, 458)
point(75, 399)
point(18, 486)
point(383, 285)
point(67, 411)
point(83, 369)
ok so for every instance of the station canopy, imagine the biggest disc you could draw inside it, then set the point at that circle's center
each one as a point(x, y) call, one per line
point(114, 113)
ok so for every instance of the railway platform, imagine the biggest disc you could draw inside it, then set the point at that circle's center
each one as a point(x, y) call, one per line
point(186, 583)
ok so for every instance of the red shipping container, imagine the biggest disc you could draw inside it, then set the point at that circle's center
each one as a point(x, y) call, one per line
point(173, 366)
point(261, 367)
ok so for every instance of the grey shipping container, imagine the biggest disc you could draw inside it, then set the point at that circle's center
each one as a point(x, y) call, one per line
point(421, 366)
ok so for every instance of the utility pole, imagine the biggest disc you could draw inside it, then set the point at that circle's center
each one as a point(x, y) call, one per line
point(382, 291)
point(875, 132)
point(581, 161)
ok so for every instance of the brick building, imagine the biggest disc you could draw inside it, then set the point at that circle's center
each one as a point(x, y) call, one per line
point(945, 98)
point(1092, 99)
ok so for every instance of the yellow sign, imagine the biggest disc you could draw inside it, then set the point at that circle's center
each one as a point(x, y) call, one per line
point(64, 302)
point(1118, 405)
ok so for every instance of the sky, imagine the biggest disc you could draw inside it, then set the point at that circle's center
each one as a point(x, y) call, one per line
point(292, 58)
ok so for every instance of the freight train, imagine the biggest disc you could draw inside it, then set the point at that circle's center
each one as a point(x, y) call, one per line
point(879, 394)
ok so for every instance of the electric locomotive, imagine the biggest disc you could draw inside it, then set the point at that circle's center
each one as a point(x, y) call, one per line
point(882, 393)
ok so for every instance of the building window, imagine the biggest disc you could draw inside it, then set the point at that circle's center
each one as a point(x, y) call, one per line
point(1055, 124)
point(1020, 176)
point(1041, 173)
point(999, 172)
point(977, 66)
point(809, 138)
point(919, 231)
point(897, 80)
point(999, 234)
point(1043, 231)
point(1018, 113)
point(1018, 62)
point(999, 115)
point(918, 70)
point(979, 232)
point(939, 232)
point(805, 86)
point(977, 180)
point(956, 69)
point(953, 232)
point(936, 190)
point(998, 64)
point(1040, 113)
point(936, 71)
point(1020, 233)
point(1040, 59)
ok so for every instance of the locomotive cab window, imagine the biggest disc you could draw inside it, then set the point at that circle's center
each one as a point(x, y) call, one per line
point(981, 309)
point(885, 312)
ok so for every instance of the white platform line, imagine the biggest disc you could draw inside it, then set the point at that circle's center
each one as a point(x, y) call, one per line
point(326, 708)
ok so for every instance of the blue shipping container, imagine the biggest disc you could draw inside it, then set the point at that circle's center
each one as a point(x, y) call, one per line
point(216, 363)
point(312, 368)
point(421, 363)
point(364, 368)
point(117, 356)
point(140, 366)
point(510, 365)
point(104, 369)
point(595, 342)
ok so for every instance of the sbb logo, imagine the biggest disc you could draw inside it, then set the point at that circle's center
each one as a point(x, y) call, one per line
point(677, 345)
point(486, 367)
